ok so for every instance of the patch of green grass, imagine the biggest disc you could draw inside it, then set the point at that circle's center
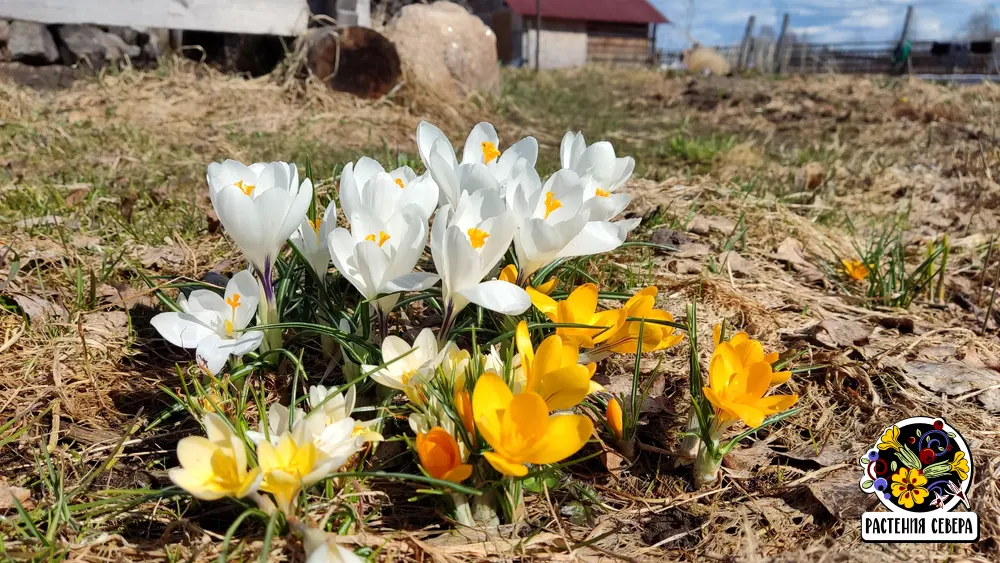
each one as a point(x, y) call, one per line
point(885, 270)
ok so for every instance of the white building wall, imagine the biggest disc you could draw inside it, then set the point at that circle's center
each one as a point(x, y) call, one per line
point(563, 44)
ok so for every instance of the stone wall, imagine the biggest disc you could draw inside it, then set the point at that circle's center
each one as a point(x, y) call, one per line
point(85, 45)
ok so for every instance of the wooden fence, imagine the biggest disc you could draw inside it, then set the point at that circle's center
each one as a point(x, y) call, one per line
point(926, 57)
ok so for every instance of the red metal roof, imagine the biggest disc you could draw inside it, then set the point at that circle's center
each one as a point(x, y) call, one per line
point(622, 11)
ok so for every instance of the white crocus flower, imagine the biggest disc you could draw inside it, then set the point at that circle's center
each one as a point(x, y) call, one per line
point(214, 325)
point(495, 363)
point(260, 206)
point(481, 158)
point(366, 183)
point(311, 240)
point(407, 367)
point(467, 242)
point(321, 548)
point(602, 174)
point(333, 407)
point(277, 422)
point(548, 219)
point(337, 441)
point(378, 257)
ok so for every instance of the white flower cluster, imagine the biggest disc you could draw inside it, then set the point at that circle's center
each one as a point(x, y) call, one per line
point(479, 206)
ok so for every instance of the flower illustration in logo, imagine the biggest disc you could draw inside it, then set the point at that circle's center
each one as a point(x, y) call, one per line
point(908, 487)
point(918, 465)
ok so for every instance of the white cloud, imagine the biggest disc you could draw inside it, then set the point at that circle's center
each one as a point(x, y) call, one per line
point(825, 33)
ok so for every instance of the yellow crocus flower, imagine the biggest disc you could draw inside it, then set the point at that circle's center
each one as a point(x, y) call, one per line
point(855, 269)
point(290, 466)
point(614, 416)
point(625, 340)
point(750, 352)
point(737, 390)
point(216, 466)
point(580, 307)
point(509, 274)
point(520, 429)
point(441, 456)
point(553, 372)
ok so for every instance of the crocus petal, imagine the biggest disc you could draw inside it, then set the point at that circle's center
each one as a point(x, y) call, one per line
point(244, 284)
point(500, 296)
point(205, 300)
point(595, 238)
point(185, 329)
point(506, 466)
point(212, 354)
point(482, 133)
point(246, 342)
point(564, 436)
point(414, 281)
point(490, 397)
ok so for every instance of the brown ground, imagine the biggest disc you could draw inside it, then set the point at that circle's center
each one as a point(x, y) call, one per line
point(106, 180)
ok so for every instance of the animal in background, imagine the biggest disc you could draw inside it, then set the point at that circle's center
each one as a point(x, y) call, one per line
point(705, 60)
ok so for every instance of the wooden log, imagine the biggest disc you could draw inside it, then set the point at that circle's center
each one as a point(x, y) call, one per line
point(356, 60)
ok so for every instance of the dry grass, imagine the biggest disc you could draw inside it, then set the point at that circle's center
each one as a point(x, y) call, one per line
point(120, 162)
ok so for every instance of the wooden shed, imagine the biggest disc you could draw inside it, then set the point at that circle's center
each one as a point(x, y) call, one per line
point(573, 32)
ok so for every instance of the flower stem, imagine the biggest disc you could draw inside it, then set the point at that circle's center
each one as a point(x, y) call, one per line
point(446, 324)
point(383, 324)
point(691, 443)
point(268, 309)
point(708, 465)
point(463, 512)
point(484, 510)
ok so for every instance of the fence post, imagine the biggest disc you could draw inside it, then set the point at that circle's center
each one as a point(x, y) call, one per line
point(741, 63)
point(778, 58)
point(906, 25)
point(538, 34)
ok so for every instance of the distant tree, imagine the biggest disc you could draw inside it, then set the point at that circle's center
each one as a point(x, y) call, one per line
point(982, 25)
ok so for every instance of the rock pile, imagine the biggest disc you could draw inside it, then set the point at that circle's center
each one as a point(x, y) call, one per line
point(88, 45)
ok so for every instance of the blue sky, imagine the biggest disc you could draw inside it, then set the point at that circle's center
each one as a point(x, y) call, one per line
point(715, 22)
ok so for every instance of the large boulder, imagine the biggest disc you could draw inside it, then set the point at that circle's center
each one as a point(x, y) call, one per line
point(31, 43)
point(447, 48)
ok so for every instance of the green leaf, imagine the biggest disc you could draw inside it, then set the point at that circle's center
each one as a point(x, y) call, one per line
point(867, 484)
point(538, 483)
point(893, 465)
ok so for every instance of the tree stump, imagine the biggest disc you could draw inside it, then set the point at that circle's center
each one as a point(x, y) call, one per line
point(356, 60)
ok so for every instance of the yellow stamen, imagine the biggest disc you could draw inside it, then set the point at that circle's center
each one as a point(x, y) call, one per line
point(245, 188)
point(602, 193)
point(478, 237)
point(490, 152)
point(399, 182)
point(233, 303)
point(551, 204)
point(315, 224)
point(382, 237)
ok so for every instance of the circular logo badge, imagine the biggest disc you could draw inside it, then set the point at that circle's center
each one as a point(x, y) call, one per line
point(918, 465)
